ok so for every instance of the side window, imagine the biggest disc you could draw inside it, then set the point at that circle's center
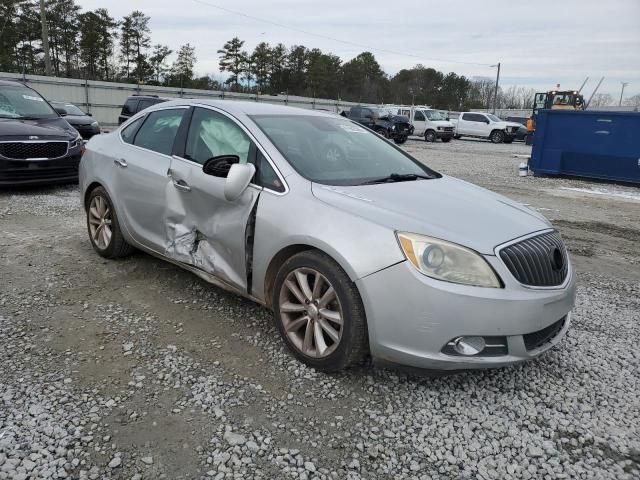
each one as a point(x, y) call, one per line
point(366, 113)
point(145, 104)
point(355, 111)
point(406, 113)
point(468, 117)
point(419, 116)
point(129, 107)
point(265, 174)
point(481, 118)
point(159, 130)
point(129, 132)
point(211, 134)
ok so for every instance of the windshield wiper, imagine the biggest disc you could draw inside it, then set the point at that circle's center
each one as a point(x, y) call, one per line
point(396, 177)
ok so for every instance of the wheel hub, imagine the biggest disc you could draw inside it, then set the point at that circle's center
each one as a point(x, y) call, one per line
point(310, 312)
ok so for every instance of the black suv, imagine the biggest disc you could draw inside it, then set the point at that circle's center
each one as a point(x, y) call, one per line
point(36, 144)
point(384, 122)
point(136, 103)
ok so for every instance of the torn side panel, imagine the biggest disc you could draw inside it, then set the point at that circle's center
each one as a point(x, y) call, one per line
point(205, 230)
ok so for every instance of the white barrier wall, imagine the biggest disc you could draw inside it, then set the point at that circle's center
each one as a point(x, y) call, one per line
point(104, 100)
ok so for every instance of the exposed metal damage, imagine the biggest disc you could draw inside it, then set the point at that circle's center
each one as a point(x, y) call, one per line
point(204, 237)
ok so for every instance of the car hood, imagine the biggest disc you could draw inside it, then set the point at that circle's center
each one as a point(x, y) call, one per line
point(50, 128)
point(509, 124)
point(445, 208)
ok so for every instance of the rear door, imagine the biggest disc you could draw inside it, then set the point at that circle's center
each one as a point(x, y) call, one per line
point(203, 228)
point(140, 179)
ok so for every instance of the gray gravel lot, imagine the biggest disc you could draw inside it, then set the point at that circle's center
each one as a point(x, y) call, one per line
point(136, 369)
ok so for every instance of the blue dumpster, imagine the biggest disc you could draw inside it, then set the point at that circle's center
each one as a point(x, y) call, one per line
point(591, 144)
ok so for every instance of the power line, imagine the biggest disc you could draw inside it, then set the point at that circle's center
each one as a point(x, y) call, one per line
point(338, 40)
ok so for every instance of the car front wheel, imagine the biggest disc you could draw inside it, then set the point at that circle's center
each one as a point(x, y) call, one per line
point(104, 230)
point(497, 136)
point(430, 136)
point(319, 313)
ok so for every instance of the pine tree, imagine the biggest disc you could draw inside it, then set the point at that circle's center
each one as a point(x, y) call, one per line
point(232, 60)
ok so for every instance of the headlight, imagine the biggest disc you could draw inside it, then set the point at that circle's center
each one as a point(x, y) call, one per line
point(393, 127)
point(76, 142)
point(94, 124)
point(447, 261)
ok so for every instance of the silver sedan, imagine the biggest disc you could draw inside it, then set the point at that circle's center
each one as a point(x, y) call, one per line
point(359, 249)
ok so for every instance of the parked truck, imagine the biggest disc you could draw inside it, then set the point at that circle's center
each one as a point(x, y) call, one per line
point(382, 121)
point(485, 125)
point(427, 122)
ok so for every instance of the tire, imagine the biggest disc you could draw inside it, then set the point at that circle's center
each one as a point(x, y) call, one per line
point(446, 139)
point(303, 317)
point(102, 218)
point(383, 132)
point(430, 136)
point(497, 136)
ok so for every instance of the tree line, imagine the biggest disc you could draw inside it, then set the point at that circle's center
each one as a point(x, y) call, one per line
point(94, 45)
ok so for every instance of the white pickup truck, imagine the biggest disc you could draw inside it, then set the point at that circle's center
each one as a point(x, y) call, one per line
point(485, 125)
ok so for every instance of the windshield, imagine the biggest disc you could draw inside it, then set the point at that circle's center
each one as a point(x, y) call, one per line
point(434, 115)
point(382, 113)
point(70, 108)
point(22, 102)
point(336, 151)
point(493, 118)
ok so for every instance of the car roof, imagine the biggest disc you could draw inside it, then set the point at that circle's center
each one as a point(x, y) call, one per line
point(246, 107)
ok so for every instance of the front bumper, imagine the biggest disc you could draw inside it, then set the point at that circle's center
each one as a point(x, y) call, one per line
point(37, 172)
point(444, 133)
point(411, 317)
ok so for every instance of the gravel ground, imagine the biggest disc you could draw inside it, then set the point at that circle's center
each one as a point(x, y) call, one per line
point(136, 369)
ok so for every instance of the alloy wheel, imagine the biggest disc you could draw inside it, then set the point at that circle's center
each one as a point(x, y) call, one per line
point(310, 312)
point(100, 222)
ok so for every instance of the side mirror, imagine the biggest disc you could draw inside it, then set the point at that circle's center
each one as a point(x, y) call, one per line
point(487, 121)
point(89, 114)
point(61, 110)
point(220, 166)
point(238, 180)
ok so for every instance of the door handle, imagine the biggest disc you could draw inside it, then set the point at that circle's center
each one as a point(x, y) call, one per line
point(122, 163)
point(181, 185)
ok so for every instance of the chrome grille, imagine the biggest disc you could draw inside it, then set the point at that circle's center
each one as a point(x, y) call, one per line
point(26, 150)
point(539, 261)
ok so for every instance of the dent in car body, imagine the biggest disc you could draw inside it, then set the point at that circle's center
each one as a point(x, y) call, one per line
point(207, 238)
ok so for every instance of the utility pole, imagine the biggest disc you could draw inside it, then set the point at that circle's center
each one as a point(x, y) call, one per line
point(45, 38)
point(495, 93)
point(624, 84)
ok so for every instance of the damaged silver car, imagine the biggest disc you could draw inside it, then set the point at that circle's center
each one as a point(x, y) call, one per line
point(359, 249)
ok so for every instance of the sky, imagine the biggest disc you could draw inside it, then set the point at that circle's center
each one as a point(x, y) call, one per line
point(539, 43)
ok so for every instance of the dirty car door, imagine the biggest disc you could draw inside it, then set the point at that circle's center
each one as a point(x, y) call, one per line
point(141, 168)
point(203, 228)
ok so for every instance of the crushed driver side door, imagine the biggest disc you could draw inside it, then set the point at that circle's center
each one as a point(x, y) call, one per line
point(203, 229)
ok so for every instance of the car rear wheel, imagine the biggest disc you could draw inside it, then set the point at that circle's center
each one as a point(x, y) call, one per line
point(319, 313)
point(104, 229)
point(430, 136)
point(497, 136)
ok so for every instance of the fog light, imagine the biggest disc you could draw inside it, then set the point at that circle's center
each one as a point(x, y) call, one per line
point(469, 345)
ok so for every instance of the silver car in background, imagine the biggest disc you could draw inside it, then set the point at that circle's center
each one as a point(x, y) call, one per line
point(359, 249)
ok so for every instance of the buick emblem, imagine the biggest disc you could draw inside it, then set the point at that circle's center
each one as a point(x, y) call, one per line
point(557, 260)
point(33, 137)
